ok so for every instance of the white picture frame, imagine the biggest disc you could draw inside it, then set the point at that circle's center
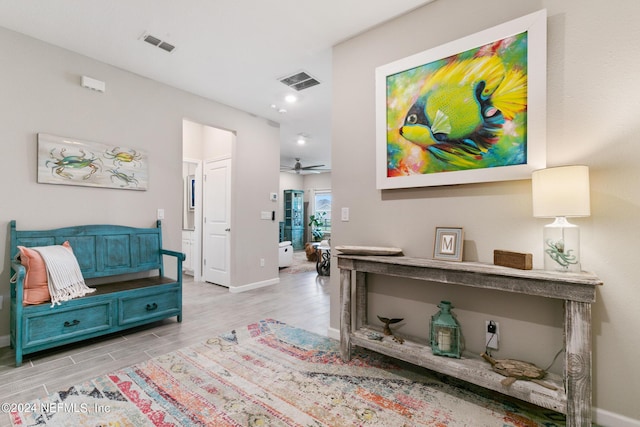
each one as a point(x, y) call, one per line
point(72, 161)
point(392, 94)
point(191, 192)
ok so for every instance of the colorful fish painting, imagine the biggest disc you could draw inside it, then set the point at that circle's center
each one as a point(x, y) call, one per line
point(466, 111)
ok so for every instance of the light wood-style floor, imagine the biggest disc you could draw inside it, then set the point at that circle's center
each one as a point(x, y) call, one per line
point(300, 300)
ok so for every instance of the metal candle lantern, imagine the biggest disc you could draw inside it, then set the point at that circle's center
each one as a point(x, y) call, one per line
point(445, 332)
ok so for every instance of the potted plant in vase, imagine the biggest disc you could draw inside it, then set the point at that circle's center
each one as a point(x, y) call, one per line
point(315, 221)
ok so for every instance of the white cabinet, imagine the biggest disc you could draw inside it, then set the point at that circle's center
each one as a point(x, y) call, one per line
point(187, 248)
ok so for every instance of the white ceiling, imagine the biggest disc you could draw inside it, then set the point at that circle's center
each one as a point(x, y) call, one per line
point(232, 51)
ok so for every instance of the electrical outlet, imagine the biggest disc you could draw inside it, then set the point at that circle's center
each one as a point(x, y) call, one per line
point(261, 262)
point(492, 334)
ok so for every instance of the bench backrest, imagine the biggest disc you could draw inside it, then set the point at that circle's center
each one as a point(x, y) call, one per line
point(101, 250)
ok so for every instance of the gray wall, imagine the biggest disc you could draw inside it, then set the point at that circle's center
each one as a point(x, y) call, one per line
point(592, 119)
point(40, 92)
point(288, 181)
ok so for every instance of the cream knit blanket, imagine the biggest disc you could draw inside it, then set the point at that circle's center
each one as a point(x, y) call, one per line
point(63, 273)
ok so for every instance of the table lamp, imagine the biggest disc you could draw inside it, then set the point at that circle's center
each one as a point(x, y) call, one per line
point(561, 192)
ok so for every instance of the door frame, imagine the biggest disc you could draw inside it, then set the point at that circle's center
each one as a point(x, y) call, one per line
point(196, 253)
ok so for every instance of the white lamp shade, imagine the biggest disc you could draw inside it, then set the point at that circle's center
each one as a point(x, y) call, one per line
point(561, 191)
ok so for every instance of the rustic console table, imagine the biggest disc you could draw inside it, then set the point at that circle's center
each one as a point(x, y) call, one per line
point(578, 290)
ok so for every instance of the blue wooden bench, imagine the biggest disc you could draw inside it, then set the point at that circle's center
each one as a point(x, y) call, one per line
point(126, 264)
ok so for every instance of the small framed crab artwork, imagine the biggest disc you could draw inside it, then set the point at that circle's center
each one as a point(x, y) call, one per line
point(70, 161)
point(469, 111)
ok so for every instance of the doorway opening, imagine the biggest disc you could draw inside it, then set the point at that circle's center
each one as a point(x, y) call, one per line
point(206, 234)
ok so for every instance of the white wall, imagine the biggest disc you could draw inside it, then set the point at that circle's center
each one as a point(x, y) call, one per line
point(316, 181)
point(216, 143)
point(288, 181)
point(192, 138)
point(41, 92)
point(592, 109)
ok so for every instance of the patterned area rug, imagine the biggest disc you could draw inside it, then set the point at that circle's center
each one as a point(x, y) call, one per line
point(272, 374)
point(300, 264)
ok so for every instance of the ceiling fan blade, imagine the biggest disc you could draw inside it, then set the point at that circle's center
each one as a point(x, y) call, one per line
point(297, 168)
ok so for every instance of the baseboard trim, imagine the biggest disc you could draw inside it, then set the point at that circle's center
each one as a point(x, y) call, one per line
point(611, 419)
point(254, 285)
point(333, 333)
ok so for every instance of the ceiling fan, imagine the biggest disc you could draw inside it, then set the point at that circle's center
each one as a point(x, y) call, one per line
point(298, 168)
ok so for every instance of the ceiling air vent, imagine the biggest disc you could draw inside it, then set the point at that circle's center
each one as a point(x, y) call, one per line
point(157, 42)
point(166, 46)
point(300, 81)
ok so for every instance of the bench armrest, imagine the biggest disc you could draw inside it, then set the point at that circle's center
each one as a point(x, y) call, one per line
point(176, 254)
point(179, 257)
point(17, 286)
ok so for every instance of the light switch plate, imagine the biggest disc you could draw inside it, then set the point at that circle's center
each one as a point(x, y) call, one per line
point(345, 214)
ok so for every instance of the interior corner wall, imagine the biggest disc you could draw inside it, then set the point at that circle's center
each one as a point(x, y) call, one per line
point(191, 140)
point(218, 143)
point(288, 181)
point(41, 92)
point(316, 181)
point(592, 106)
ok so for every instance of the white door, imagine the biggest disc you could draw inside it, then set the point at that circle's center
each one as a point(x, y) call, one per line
point(217, 223)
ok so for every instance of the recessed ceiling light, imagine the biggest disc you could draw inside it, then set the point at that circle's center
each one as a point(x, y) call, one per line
point(291, 99)
point(280, 109)
point(301, 141)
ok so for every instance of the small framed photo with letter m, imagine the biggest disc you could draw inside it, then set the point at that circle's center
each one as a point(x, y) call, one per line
point(448, 244)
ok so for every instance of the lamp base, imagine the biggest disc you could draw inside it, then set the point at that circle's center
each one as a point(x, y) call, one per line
point(562, 246)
